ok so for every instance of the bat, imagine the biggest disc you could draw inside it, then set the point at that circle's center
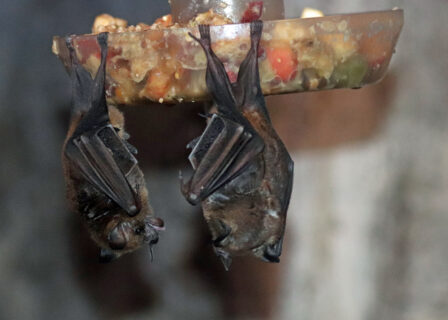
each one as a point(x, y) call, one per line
point(104, 182)
point(242, 171)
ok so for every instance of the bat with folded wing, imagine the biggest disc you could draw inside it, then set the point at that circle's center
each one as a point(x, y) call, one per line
point(104, 182)
point(242, 171)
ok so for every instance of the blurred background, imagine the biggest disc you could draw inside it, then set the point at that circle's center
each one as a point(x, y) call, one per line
point(367, 228)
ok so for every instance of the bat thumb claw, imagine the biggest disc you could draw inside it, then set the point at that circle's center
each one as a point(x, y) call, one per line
point(225, 258)
point(226, 261)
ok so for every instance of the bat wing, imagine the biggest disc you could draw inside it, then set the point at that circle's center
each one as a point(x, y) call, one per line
point(106, 163)
point(286, 200)
point(223, 150)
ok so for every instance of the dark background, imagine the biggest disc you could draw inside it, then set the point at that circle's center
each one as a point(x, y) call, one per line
point(367, 227)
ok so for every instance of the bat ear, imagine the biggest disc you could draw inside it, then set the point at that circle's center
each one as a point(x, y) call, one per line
point(272, 252)
point(156, 223)
point(107, 256)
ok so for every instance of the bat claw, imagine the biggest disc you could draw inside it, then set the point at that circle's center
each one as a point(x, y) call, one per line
point(107, 256)
point(192, 198)
point(225, 258)
point(204, 31)
point(227, 262)
point(193, 143)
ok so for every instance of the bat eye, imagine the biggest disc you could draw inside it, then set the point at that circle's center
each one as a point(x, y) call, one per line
point(139, 230)
point(118, 237)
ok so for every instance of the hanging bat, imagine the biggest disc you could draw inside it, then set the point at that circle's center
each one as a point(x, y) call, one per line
point(242, 171)
point(104, 183)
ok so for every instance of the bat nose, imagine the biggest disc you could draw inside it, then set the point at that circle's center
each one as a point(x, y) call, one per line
point(133, 210)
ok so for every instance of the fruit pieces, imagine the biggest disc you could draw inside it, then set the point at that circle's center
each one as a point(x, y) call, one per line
point(283, 61)
point(253, 12)
point(157, 84)
point(350, 73)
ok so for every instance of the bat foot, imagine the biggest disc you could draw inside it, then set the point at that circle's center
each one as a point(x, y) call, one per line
point(102, 40)
point(256, 29)
point(204, 41)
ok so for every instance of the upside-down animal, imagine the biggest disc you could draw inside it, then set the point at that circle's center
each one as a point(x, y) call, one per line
point(242, 171)
point(104, 183)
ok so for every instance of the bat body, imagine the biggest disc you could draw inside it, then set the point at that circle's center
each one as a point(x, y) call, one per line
point(104, 183)
point(242, 171)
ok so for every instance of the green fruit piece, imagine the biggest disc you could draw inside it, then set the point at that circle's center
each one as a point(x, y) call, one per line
point(350, 73)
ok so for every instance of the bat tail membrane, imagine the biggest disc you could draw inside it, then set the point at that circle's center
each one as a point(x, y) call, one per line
point(98, 114)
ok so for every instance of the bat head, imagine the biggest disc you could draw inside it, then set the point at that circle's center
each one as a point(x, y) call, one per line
point(233, 235)
point(124, 235)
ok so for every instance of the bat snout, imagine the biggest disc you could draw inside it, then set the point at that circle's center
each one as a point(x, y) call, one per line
point(119, 236)
point(133, 211)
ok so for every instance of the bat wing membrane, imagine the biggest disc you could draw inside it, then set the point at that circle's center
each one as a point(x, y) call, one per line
point(105, 162)
point(222, 151)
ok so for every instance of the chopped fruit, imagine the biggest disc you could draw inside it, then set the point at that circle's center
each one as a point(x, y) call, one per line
point(350, 73)
point(210, 17)
point(156, 85)
point(165, 21)
point(283, 61)
point(89, 47)
point(343, 46)
point(107, 23)
point(161, 62)
point(253, 12)
point(86, 47)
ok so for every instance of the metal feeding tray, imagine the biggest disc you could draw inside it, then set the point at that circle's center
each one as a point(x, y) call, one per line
point(296, 55)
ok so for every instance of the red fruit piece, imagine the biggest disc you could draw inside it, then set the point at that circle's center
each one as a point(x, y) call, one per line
point(253, 12)
point(283, 61)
